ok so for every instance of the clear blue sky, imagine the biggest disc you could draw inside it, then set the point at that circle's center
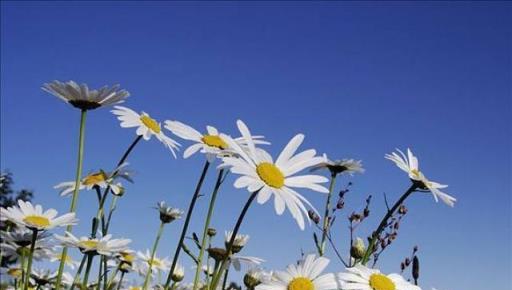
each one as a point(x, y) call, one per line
point(358, 79)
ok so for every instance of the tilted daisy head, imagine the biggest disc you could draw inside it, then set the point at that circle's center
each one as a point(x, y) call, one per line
point(103, 246)
point(68, 260)
point(259, 172)
point(168, 214)
point(12, 251)
point(33, 217)
point(146, 126)
point(238, 243)
point(156, 263)
point(178, 274)
point(237, 261)
point(81, 97)
point(410, 165)
point(306, 275)
point(360, 277)
point(343, 166)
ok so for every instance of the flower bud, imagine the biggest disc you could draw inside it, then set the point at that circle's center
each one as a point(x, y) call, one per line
point(415, 268)
point(358, 249)
point(218, 254)
point(313, 216)
point(211, 232)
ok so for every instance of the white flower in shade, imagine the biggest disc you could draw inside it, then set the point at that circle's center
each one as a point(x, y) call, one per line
point(22, 237)
point(168, 214)
point(409, 164)
point(162, 264)
point(33, 217)
point(68, 260)
point(178, 274)
point(100, 179)
point(260, 173)
point(13, 252)
point(146, 126)
point(348, 166)
point(360, 277)
point(41, 277)
point(80, 96)
point(255, 276)
point(13, 271)
point(237, 261)
point(239, 242)
point(211, 143)
point(304, 276)
point(104, 246)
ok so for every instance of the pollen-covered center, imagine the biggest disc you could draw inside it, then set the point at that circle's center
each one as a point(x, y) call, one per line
point(95, 178)
point(88, 245)
point(381, 282)
point(14, 272)
point(301, 283)
point(155, 263)
point(214, 141)
point(415, 172)
point(270, 174)
point(127, 257)
point(37, 221)
point(150, 123)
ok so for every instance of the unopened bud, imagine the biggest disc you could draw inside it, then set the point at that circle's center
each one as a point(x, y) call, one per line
point(402, 209)
point(415, 268)
point(313, 216)
point(366, 212)
point(250, 281)
point(358, 249)
point(340, 204)
point(407, 261)
point(211, 232)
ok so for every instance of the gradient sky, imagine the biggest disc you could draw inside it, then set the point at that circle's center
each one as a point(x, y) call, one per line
point(358, 79)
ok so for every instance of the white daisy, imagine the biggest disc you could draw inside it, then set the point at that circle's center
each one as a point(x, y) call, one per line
point(162, 264)
point(14, 271)
point(304, 276)
point(68, 260)
point(80, 96)
point(409, 164)
point(178, 274)
point(146, 126)
point(237, 261)
point(168, 214)
point(104, 246)
point(360, 277)
point(239, 242)
point(349, 166)
point(34, 218)
point(211, 143)
point(13, 252)
point(260, 172)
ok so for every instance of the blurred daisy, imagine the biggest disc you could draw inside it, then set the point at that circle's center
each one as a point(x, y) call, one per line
point(80, 96)
point(409, 164)
point(13, 271)
point(103, 246)
point(41, 277)
point(348, 166)
point(260, 173)
point(33, 217)
point(237, 261)
point(100, 179)
point(304, 276)
point(211, 143)
point(168, 214)
point(13, 252)
point(23, 237)
point(146, 126)
point(68, 260)
point(178, 274)
point(255, 276)
point(239, 242)
point(162, 264)
point(360, 277)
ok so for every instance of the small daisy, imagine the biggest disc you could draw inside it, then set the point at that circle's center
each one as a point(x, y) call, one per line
point(348, 166)
point(80, 96)
point(168, 214)
point(255, 276)
point(34, 218)
point(41, 277)
point(23, 237)
point(178, 274)
point(304, 276)
point(239, 242)
point(360, 277)
point(211, 143)
point(13, 271)
point(68, 260)
point(13, 252)
point(103, 246)
point(146, 126)
point(409, 164)
point(162, 264)
point(260, 173)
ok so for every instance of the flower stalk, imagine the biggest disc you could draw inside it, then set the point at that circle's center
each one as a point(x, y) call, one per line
point(30, 258)
point(153, 252)
point(326, 220)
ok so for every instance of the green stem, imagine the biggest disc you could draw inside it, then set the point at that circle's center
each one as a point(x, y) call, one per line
point(81, 142)
point(90, 257)
point(185, 225)
point(30, 258)
point(325, 228)
point(112, 277)
point(226, 274)
point(384, 222)
point(205, 229)
point(78, 272)
point(100, 272)
point(120, 280)
point(225, 261)
point(23, 268)
point(153, 251)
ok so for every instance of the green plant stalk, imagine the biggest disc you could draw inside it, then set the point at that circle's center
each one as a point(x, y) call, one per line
point(211, 206)
point(384, 222)
point(78, 272)
point(90, 257)
point(30, 258)
point(112, 277)
point(185, 225)
point(225, 261)
point(226, 274)
point(100, 272)
point(325, 227)
point(120, 281)
point(74, 200)
point(23, 269)
point(153, 251)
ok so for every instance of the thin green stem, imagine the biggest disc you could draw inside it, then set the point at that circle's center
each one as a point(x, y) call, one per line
point(23, 268)
point(384, 222)
point(185, 225)
point(153, 252)
point(112, 277)
point(30, 258)
point(226, 274)
point(225, 261)
point(206, 226)
point(78, 272)
point(326, 219)
point(74, 199)
point(90, 257)
point(120, 280)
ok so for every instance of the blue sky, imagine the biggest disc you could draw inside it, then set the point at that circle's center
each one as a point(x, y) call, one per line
point(358, 79)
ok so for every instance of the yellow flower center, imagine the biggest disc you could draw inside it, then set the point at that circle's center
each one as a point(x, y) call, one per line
point(415, 172)
point(214, 141)
point(156, 262)
point(127, 257)
point(150, 123)
point(301, 283)
point(37, 221)
point(95, 178)
point(381, 282)
point(90, 244)
point(270, 174)
point(135, 288)
point(14, 272)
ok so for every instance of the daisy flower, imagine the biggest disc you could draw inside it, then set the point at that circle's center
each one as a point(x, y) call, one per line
point(80, 96)
point(146, 126)
point(210, 143)
point(360, 277)
point(261, 173)
point(304, 276)
point(103, 246)
point(409, 164)
point(34, 218)
point(14, 271)
point(237, 261)
point(254, 276)
point(13, 252)
point(168, 214)
point(239, 242)
point(349, 166)
point(68, 260)
point(162, 264)
point(22, 237)
point(178, 274)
